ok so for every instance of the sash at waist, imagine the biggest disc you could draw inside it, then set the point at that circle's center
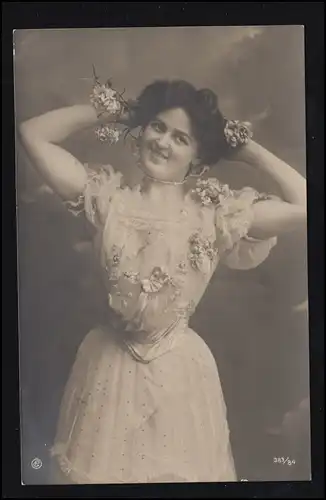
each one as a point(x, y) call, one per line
point(145, 347)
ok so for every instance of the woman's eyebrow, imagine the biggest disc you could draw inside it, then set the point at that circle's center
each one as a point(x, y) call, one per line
point(185, 134)
point(178, 131)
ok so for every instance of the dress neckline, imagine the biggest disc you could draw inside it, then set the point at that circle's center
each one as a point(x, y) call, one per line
point(138, 208)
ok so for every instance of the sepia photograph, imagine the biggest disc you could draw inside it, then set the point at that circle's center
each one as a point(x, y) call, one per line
point(162, 254)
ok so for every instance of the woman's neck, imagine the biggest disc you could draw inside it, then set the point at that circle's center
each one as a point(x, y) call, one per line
point(163, 194)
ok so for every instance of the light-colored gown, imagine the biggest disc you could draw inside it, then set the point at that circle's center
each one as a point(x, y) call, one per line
point(144, 401)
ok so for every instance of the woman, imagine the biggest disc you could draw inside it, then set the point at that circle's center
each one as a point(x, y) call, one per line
point(144, 401)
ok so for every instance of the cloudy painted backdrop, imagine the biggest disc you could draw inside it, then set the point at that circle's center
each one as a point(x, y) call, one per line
point(255, 322)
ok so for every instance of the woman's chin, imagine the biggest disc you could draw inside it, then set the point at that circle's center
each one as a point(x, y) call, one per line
point(158, 171)
point(154, 170)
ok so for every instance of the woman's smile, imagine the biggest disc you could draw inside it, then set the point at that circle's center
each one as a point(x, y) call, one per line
point(157, 154)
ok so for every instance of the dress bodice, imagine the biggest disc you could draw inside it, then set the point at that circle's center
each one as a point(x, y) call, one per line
point(156, 268)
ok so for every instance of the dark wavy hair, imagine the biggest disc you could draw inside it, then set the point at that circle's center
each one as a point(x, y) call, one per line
point(200, 105)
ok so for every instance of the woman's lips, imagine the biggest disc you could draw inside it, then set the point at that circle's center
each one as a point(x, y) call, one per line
point(158, 155)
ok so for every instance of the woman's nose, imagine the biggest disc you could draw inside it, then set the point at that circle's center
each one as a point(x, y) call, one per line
point(163, 141)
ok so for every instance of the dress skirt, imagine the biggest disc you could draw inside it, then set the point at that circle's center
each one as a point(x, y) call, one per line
point(127, 421)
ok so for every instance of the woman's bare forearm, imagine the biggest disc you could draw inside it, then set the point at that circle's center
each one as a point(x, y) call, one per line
point(55, 126)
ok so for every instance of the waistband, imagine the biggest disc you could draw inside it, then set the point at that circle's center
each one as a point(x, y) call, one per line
point(154, 346)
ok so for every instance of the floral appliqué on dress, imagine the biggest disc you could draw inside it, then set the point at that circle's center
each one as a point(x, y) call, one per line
point(156, 281)
point(132, 276)
point(199, 249)
point(211, 191)
point(113, 266)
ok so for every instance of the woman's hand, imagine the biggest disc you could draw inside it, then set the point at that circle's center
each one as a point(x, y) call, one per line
point(127, 115)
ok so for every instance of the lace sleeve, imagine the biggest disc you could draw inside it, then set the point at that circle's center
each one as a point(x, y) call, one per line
point(233, 222)
point(101, 185)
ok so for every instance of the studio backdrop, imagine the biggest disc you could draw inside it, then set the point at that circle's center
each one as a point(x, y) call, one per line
point(255, 322)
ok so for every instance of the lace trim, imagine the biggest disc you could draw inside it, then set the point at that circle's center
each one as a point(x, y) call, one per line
point(98, 191)
point(76, 475)
point(265, 197)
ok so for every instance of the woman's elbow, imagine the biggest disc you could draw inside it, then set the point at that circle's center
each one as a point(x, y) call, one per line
point(26, 132)
point(30, 135)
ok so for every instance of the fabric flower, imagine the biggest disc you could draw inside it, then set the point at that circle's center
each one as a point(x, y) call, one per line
point(116, 255)
point(116, 259)
point(182, 267)
point(211, 191)
point(107, 133)
point(112, 267)
point(199, 249)
point(156, 281)
point(237, 133)
point(131, 276)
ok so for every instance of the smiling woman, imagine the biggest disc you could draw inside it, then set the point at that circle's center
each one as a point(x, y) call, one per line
point(168, 146)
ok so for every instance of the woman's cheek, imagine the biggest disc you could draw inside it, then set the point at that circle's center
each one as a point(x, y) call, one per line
point(186, 154)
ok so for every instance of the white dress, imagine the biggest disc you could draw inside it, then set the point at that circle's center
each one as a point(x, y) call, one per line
point(144, 401)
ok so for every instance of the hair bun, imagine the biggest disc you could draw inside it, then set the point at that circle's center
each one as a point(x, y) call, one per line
point(209, 99)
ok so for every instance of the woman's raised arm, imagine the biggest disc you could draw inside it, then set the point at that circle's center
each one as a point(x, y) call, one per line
point(272, 217)
point(40, 136)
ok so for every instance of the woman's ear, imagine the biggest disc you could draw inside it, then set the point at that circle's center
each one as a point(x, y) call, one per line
point(197, 168)
point(196, 163)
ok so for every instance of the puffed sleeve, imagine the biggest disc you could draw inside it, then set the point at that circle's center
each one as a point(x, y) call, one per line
point(233, 221)
point(101, 186)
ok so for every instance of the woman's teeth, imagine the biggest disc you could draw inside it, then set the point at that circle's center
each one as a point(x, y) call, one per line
point(159, 155)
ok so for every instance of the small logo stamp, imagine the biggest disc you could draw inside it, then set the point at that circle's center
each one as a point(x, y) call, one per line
point(36, 463)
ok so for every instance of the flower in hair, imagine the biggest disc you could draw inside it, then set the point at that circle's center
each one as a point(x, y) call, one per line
point(237, 133)
point(105, 99)
point(108, 101)
point(108, 133)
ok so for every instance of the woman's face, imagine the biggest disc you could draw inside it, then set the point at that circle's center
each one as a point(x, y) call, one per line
point(168, 146)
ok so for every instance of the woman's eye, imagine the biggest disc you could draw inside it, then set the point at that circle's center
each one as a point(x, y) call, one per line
point(181, 140)
point(157, 126)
